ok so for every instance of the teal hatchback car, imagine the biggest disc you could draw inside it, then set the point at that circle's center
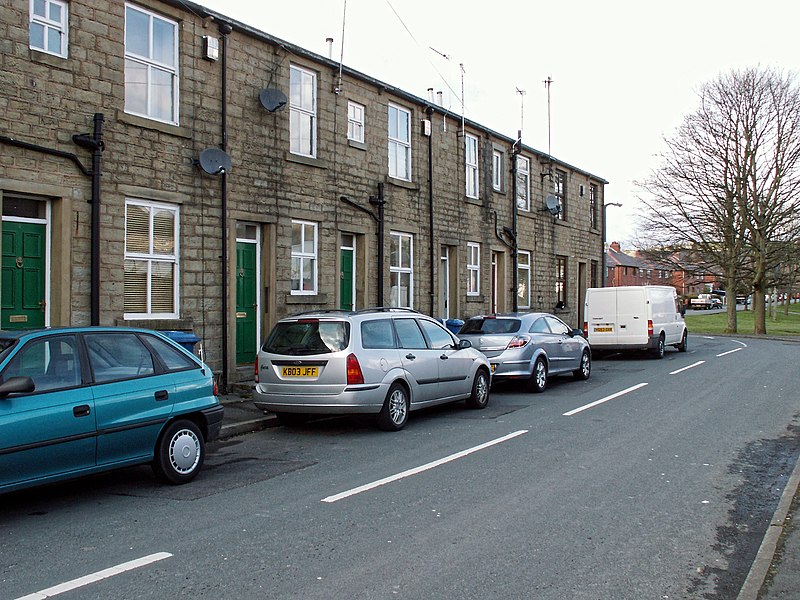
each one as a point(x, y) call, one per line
point(76, 401)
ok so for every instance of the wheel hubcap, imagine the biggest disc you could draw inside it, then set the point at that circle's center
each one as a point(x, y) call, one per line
point(482, 389)
point(585, 365)
point(540, 375)
point(397, 407)
point(184, 451)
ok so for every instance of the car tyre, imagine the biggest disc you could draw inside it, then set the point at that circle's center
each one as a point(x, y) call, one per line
point(538, 381)
point(585, 369)
point(480, 391)
point(394, 414)
point(179, 453)
point(684, 345)
point(658, 351)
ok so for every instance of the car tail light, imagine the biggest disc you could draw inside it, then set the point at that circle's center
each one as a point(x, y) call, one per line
point(650, 327)
point(255, 375)
point(216, 388)
point(354, 374)
point(518, 341)
point(586, 330)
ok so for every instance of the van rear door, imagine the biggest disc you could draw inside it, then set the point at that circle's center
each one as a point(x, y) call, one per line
point(632, 316)
point(601, 316)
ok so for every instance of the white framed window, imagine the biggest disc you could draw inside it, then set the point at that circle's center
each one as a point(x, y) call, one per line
point(150, 283)
point(304, 257)
point(151, 65)
point(560, 190)
point(473, 269)
point(524, 279)
point(399, 143)
point(302, 111)
point(401, 269)
point(561, 282)
point(355, 122)
point(523, 183)
point(471, 162)
point(48, 26)
point(497, 170)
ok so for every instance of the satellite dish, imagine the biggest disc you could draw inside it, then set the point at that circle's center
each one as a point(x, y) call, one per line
point(553, 204)
point(272, 99)
point(215, 161)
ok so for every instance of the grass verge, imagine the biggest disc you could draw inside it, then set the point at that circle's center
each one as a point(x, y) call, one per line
point(784, 325)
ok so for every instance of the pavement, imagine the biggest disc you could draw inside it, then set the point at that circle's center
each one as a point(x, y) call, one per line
point(774, 575)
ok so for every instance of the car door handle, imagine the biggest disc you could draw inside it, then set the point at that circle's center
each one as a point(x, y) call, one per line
point(410, 356)
point(161, 395)
point(81, 411)
point(444, 357)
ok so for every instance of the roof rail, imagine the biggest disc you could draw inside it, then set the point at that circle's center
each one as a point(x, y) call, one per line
point(386, 309)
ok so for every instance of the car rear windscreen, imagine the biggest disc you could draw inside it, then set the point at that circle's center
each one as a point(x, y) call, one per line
point(490, 326)
point(308, 336)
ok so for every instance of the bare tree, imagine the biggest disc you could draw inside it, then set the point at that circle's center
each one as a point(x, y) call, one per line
point(729, 181)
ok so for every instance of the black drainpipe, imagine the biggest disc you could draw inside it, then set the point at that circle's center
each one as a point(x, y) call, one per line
point(224, 29)
point(380, 202)
point(514, 272)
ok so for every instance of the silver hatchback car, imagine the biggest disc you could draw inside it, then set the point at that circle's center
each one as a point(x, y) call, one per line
point(384, 361)
point(529, 346)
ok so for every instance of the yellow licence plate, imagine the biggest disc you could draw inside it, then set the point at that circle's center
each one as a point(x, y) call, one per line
point(299, 371)
point(603, 329)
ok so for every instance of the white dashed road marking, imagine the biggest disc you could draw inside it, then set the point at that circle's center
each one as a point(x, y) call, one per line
point(606, 399)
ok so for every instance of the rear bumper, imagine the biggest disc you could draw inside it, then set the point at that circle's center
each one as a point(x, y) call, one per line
point(213, 421)
point(368, 399)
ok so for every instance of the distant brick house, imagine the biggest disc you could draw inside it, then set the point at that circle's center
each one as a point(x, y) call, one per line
point(631, 268)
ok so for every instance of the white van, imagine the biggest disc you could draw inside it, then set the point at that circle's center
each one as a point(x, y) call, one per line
point(635, 317)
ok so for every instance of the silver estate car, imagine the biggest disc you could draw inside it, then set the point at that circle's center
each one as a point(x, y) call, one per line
point(529, 346)
point(383, 361)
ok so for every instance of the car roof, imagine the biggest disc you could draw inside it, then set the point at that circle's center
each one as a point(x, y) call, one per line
point(334, 312)
point(31, 333)
point(512, 315)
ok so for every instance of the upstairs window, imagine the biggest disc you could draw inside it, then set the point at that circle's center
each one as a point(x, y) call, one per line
point(497, 171)
point(48, 26)
point(302, 112)
point(471, 160)
point(151, 260)
point(151, 65)
point(560, 190)
point(523, 183)
point(593, 206)
point(399, 143)
point(355, 122)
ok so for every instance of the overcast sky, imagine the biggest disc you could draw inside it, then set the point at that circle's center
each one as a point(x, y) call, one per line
point(624, 73)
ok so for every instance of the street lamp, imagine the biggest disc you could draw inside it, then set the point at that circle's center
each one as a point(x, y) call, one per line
point(605, 206)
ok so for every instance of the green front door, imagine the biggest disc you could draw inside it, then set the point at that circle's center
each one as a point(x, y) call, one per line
point(245, 303)
point(23, 305)
point(346, 280)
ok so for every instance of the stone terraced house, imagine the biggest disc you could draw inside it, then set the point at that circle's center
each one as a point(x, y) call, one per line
point(165, 166)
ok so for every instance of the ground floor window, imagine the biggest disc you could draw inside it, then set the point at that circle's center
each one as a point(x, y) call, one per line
point(473, 269)
point(402, 269)
point(524, 279)
point(561, 282)
point(304, 257)
point(151, 260)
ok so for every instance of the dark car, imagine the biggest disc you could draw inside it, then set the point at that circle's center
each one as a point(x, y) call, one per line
point(529, 347)
point(81, 400)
